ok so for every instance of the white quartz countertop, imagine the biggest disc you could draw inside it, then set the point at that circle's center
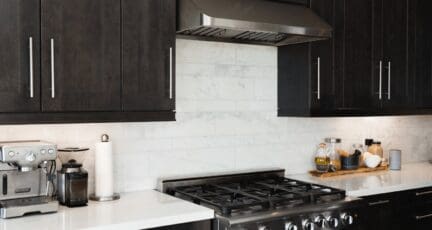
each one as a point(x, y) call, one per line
point(412, 176)
point(138, 210)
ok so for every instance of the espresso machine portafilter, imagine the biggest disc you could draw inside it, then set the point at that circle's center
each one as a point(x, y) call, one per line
point(27, 175)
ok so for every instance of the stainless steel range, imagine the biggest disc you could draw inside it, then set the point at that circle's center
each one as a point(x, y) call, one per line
point(266, 200)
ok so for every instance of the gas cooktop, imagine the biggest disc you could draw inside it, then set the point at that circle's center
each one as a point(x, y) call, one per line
point(247, 196)
point(267, 200)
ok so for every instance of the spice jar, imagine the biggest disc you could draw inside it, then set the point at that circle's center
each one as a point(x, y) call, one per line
point(333, 147)
point(322, 159)
point(376, 149)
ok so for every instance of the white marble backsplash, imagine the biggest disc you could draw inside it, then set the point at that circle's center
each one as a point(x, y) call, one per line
point(226, 120)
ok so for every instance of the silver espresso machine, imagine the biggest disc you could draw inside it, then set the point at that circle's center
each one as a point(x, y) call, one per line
point(27, 174)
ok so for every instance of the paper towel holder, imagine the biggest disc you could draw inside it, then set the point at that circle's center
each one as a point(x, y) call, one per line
point(115, 196)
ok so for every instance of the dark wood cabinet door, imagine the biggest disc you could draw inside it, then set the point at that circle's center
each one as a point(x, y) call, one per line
point(421, 52)
point(149, 28)
point(394, 35)
point(383, 212)
point(353, 55)
point(81, 58)
point(322, 74)
point(19, 56)
point(294, 80)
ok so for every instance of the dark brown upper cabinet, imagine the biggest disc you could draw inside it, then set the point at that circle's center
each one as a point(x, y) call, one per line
point(391, 76)
point(81, 55)
point(19, 56)
point(64, 61)
point(420, 52)
point(306, 83)
point(378, 62)
point(353, 57)
point(148, 51)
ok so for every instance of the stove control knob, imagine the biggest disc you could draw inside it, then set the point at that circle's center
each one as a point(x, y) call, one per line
point(263, 227)
point(290, 226)
point(308, 225)
point(333, 222)
point(347, 219)
point(11, 153)
point(31, 157)
point(320, 221)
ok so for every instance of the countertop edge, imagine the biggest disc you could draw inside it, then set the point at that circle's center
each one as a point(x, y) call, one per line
point(155, 223)
point(413, 176)
point(388, 189)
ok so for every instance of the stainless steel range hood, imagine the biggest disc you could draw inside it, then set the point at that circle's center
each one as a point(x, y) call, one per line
point(250, 21)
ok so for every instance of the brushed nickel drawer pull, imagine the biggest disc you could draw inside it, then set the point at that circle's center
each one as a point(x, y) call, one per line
point(319, 78)
point(31, 67)
point(379, 202)
point(389, 81)
point(423, 193)
point(423, 217)
point(52, 70)
point(380, 79)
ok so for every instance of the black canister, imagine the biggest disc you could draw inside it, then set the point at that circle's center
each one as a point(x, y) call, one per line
point(351, 162)
point(72, 181)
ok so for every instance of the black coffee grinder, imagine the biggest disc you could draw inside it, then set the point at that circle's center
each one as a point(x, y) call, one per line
point(72, 182)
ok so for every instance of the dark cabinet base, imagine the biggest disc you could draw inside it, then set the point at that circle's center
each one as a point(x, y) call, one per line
point(410, 209)
point(353, 113)
point(87, 117)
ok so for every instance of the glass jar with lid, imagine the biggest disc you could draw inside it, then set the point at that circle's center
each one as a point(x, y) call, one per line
point(322, 159)
point(334, 144)
point(376, 149)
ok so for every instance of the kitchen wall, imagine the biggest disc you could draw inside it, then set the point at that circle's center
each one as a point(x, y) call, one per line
point(226, 120)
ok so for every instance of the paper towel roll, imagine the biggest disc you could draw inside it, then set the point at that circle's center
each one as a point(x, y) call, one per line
point(104, 176)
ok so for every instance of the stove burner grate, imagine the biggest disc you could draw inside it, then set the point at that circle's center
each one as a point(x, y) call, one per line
point(248, 196)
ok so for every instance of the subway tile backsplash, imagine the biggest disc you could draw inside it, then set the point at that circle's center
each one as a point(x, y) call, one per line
point(226, 120)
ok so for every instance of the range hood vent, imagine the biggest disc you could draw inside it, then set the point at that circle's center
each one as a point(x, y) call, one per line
point(250, 21)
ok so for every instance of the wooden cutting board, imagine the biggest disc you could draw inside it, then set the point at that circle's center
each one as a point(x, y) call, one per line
point(346, 172)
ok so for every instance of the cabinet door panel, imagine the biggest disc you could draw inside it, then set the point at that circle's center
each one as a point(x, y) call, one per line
point(395, 49)
point(421, 53)
point(381, 212)
point(323, 51)
point(19, 25)
point(148, 66)
point(86, 47)
point(355, 52)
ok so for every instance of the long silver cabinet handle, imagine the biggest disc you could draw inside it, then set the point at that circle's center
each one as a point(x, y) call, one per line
point(52, 70)
point(319, 78)
point(423, 193)
point(379, 202)
point(380, 79)
point(170, 72)
point(424, 217)
point(31, 67)
point(389, 81)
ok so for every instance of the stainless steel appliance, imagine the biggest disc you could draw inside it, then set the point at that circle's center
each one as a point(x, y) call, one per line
point(27, 171)
point(266, 200)
point(72, 184)
point(251, 21)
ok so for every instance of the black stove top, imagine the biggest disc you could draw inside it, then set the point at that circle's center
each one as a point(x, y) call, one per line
point(252, 195)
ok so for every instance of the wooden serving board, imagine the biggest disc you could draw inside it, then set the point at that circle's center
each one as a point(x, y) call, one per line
point(346, 172)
